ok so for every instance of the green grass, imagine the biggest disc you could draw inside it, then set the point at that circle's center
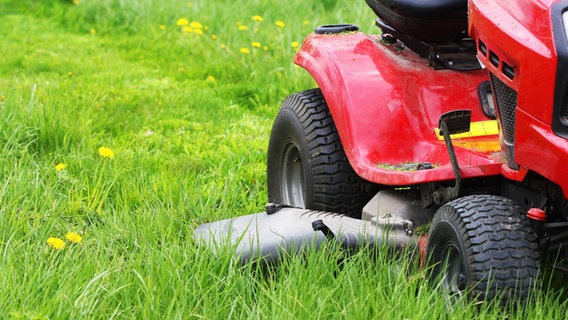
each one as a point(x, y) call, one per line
point(188, 118)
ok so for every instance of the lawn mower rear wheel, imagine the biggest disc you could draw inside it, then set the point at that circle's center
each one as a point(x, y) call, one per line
point(307, 166)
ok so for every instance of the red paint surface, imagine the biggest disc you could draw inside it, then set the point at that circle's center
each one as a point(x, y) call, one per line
point(520, 33)
point(386, 103)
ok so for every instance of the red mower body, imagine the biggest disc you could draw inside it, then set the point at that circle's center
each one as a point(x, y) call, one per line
point(528, 37)
point(386, 102)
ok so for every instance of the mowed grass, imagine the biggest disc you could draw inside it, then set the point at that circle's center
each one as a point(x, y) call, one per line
point(187, 112)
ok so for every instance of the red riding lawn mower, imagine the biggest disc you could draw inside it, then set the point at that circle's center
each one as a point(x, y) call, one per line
point(454, 120)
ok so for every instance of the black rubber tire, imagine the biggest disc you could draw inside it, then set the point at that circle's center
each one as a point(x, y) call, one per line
point(307, 166)
point(482, 247)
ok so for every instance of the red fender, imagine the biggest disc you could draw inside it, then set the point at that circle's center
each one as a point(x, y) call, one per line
point(386, 103)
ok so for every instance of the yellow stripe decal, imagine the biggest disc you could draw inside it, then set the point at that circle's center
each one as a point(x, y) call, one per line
point(477, 129)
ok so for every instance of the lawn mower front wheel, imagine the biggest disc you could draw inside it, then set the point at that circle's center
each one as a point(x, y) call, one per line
point(482, 247)
point(307, 166)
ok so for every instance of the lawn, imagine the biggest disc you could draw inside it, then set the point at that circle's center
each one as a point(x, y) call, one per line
point(125, 124)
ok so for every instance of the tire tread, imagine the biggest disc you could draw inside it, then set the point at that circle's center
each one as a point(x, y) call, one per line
point(336, 186)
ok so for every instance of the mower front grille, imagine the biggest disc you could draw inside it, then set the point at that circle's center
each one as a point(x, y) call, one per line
point(506, 99)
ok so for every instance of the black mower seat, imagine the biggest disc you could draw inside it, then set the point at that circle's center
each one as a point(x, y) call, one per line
point(424, 20)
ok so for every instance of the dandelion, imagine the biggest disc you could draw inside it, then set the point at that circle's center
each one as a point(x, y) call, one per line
point(196, 25)
point(76, 2)
point(211, 78)
point(60, 166)
point(187, 29)
point(69, 74)
point(265, 48)
point(198, 31)
point(223, 46)
point(280, 24)
point(306, 22)
point(182, 22)
point(214, 37)
point(244, 51)
point(256, 44)
point(243, 28)
point(93, 31)
point(295, 44)
point(190, 4)
point(2, 98)
point(73, 237)
point(257, 18)
point(56, 243)
point(162, 27)
point(106, 152)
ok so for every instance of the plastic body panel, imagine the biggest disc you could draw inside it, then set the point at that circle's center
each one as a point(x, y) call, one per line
point(386, 103)
point(521, 34)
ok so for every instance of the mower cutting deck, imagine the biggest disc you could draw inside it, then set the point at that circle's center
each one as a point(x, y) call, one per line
point(282, 230)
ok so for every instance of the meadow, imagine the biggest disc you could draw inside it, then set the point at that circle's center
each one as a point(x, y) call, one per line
point(124, 124)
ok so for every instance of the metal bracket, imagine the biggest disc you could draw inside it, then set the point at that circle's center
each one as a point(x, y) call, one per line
point(452, 122)
point(271, 208)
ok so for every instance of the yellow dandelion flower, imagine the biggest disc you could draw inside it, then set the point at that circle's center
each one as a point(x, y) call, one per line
point(190, 4)
point(244, 51)
point(257, 18)
point(280, 24)
point(306, 22)
point(162, 27)
point(223, 46)
point(214, 37)
point(60, 166)
point(56, 243)
point(106, 152)
point(187, 29)
point(93, 31)
point(182, 22)
point(243, 28)
point(265, 48)
point(198, 31)
point(295, 44)
point(211, 78)
point(76, 2)
point(2, 98)
point(196, 25)
point(73, 237)
point(256, 44)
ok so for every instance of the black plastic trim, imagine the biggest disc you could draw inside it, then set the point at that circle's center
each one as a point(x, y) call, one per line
point(336, 28)
point(508, 71)
point(560, 118)
point(482, 48)
point(484, 90)
point(494, 59)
